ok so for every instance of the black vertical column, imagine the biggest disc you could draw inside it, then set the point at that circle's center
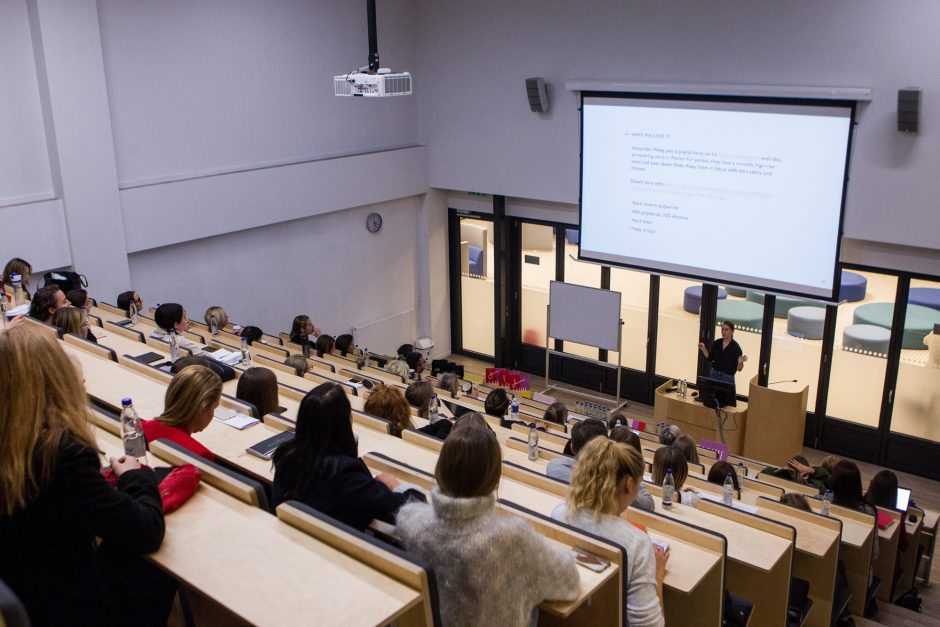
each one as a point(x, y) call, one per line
point(605, 285)
point(766, 339)
point(502, 350)
point(706, 332)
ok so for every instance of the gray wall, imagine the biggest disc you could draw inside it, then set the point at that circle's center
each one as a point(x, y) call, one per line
point(473, 56)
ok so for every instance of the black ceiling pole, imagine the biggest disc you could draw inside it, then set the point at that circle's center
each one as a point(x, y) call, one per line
point(373, 38)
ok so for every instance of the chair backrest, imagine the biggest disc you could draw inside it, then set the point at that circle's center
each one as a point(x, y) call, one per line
point(388, 560)
point(133, 334)
point(90, 347)
point(12, 612)
point(232, 483)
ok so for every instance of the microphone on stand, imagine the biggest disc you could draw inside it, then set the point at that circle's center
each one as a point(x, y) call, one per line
point(783, 381)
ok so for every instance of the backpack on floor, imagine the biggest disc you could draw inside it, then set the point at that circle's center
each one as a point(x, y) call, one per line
point(911, 600)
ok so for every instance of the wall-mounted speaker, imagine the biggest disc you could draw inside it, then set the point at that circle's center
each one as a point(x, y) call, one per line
point(538, 97)
point(909, 109)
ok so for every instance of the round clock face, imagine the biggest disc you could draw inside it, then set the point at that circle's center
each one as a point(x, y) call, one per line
point(374, 222)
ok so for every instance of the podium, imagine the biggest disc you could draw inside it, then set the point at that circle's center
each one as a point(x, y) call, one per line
point(776, 420)
point(702, 422)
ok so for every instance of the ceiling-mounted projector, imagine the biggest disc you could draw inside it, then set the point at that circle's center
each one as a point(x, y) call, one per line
point(372, 81)
point(384, 82)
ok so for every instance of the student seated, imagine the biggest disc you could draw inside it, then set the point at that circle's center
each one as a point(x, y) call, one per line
point(491, 569)
point(418, 396)
point(172, 318)
point(125, 299)
point(557, 412)
point(797, 500)
point(22, 268)
point(73, 320)
point(298, 363)
point(188, 407)
point(397, 367)
point(302, 329)
point(71, 544)
point(846, 486)
point(324, 345)
point(404, 350)
point(497, 404)
point(450, 383)
point(344, 344)
point(686, 445)
point(668, 434)
point(217, 316)
point(46, 301)
point(718, 472)
point(606, 480)
point(624, 435)
point(389, 403)
point(258, 386)
point(561, 467)
point(799, 469)
point(321, 467)
point(670, 458)
point(883, 492)
point(416, 364)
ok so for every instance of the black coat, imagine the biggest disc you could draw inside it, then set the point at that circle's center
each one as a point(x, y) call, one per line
point(346, 492)
point(48, 553)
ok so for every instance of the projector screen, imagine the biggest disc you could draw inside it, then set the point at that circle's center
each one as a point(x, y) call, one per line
point(742, 191)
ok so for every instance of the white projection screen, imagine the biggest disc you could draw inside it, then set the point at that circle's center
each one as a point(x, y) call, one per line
point(586, 315)
point(748, 192)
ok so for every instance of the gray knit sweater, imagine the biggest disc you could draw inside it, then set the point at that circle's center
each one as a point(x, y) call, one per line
point(491, 569)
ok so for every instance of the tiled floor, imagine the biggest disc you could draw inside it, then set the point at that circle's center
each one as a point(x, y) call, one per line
point(924, 491)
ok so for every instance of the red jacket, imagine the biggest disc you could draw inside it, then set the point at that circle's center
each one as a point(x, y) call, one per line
point(155, 430)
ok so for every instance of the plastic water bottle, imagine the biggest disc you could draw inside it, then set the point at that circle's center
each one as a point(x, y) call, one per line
point(434, 409)
point(533, 445)
point(515, 409)
point(132, 313)
point(728, 495)
point(826, 503)
point(4, 308)
point(246, 355)
point(213, 325)
point(18, 296)
point(132, 432)
point(174, 345)
point(619, 423)
point(366, 356)
point(305, 343)
point(669, 489)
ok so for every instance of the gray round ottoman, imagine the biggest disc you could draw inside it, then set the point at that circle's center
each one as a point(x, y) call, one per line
point(866, 338)
point(692, 298)
point(806, 322)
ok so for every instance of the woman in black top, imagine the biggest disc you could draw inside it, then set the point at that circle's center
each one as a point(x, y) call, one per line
point(321, 467)
point(54, 506)
point(725, 355)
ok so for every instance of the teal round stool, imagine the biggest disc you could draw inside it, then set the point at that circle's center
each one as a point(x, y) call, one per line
point(740, 292)
point(743, 313)
point(918, 321)
point(783, 304)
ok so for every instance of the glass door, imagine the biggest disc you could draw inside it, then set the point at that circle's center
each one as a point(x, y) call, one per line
point(473, 285)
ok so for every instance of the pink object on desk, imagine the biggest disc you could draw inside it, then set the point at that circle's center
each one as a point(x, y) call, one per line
point(718, 447)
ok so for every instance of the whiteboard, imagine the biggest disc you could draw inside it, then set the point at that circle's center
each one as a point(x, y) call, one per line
point(586, 315)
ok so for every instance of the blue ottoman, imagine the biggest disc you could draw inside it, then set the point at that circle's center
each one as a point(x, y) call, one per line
point(745, 314)
point(866, 338)
point(925, 297)
point(918, 321)
point(692, 299)
point(783, 304)
point(806, 322)
point(852, 287)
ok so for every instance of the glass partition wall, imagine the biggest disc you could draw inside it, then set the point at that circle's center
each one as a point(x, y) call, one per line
point(871, 363)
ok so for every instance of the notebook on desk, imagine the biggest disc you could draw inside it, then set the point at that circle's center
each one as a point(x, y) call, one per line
point(265, 449)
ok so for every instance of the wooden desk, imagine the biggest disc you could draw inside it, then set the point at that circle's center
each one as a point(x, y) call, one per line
point(266, 572)
point(760, 553)
point(699, 421)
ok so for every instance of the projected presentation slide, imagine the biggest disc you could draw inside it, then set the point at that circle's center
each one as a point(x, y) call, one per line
point(747, 193)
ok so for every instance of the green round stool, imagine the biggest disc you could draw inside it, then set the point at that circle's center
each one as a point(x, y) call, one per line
point(783, 304)
point(918, 321)
point(745, 314)
point(740, 292)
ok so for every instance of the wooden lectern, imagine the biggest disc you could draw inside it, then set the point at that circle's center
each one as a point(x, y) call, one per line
point(729, 425)
point(775, 423)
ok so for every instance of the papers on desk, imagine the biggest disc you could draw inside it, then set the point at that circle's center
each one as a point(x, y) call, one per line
point(229, 358)
point(234, 419)
point(22, 310)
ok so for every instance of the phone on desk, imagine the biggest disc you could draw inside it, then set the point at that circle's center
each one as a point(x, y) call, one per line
point(663, 545)
point(590, 561)
point(123, 323)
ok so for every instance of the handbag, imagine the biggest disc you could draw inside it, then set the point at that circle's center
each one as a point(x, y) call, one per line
point(175, 488)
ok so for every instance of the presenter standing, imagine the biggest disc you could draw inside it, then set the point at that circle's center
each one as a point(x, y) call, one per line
point(725, 356)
